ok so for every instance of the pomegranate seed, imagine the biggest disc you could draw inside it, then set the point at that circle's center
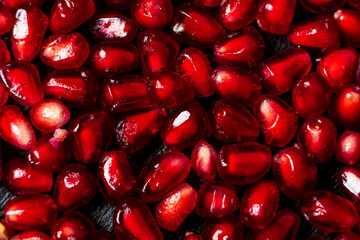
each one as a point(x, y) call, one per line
point(7, 19)
point(243, 48)
point(284, 227)
point(328, 212)
point(344, 19)
point(73, 225)
point(216, 199)
point(347, 148)
point(115, 177)
point(161, 174)
point(110, 25)
point(66, 15)
point(133, 220)
point(348, 236)
point(203, 160)
point(33, 212)
point(76, 88)
point(278, 121)
point(152, 13)
point(311, 95)
point(28, 32)
point(275, 16)
point(4, 53)
point(3, 96)
point(13, 5)
point(119, 4)
point(194, 25)
point(31, 235)
point(192, 236)
point(227, 227)
point(21, 79)
point(243, 163)
point(322, 6)
point(21, 179)
point(318, 35)
point(354, 3)
point(175, 207)
point(186, 126)
point(135, 130)
point(209, 3)
point(75, 186)
point(157, 50)
point(90, 133)
point(194, 66)
point(280, 72)
point(102, 234)
point(348, 178)
point(15, 128)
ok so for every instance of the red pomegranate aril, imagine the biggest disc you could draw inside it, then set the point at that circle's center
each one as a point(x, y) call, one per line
point(7, 20)
point(32, 212)
point(157, 50)
point(4, 53)
point(347, 147)
point(237, 84)
point(186, 126)
point(119, 4)
point(284, 227)
point(280, 72)
point(194, 66)
point(294, 173)
point(348, 236)
point(31, 235)
point(110, 25)
point(318, 35)
point(152, 13)
point(90, 133)
point(243, 48)
point(13, 5)
point(75, 186)
point(161, 174)
point(216, 199)
point(175, 207)
point(28, 32)
point(73, 225)
point(275, 16)
point(354, 3)
point(135, 130)
point(133, 220)
point(344, 19)
point(194, 25)
point(328, 212)
point(15, 128)
point(203, 160)
point(227, 227)
point(316, 6)
point(243, 163)
point(278, 121)
point(66, 15)
point(311, 95)
point(21, 79)
point(3, 95)
point(192, 236)
point(209, 3)
point(348, 178)
point(102, 234)
point(115, 177)
point(259, 204)
point(21, 179)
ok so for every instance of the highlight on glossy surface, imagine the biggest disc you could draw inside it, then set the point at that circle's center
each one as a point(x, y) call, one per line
point(347, 148)
point(347, 21)
point(348, 178)
point(227, 227)
point(30, 235)
point(203, 160)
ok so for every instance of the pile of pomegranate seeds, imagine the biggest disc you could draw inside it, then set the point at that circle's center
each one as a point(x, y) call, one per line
point(180, 120)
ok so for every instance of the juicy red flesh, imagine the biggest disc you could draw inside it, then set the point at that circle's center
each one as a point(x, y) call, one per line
point(347, 147)
point(203, 160)
point(209, 3)
point(227, 227)
point(323, 5)
point(348, 178)
point(7, 20)
point(31, 235)
point(347, 21)
point(4, 53)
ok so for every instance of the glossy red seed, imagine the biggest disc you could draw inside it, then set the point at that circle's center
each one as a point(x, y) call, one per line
point(323, 5)
point(73, 225)
point(175, 207)
point(318, 35)
point(280, 72)
point(66, 15)
point(119, 4)
point(161, 174)
point(294, 173)
point(186, 126)
point(278, 121)
point(31, 235)
point(328, 212)
point(348, 178)
point(348, 236)
point(347, 147)
point(75, 186)
point(157, 50)
point(192, 236)
point(115, 177)
point(102, 234)
point(216, 199)
point(152, 13)
point(28, 32)
point(227, 227)
point(110, 25)
point(243, 163)
point(354, 3)
point(203, 160)
point(133, 220)
point(21, 79)
point(135, 130)
point(4, 53)
point(311, 95)
point(13, 5)
point(344, 19)
point(243, 48)
point(7, 20)
point(90, 133)
point(194, 66)
point(284, 227)
point(76, 88)
point(33, 212)
point(194, 25)
point(15, 128)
